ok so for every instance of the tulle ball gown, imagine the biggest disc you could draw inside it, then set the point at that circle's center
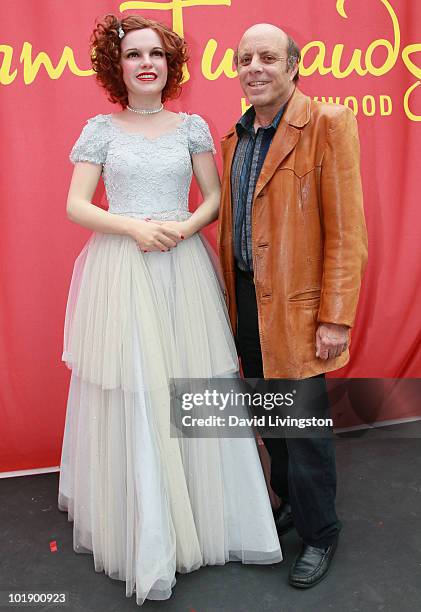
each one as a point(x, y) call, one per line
point(144, 504)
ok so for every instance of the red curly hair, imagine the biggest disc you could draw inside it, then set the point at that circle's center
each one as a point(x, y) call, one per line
point(106, 54)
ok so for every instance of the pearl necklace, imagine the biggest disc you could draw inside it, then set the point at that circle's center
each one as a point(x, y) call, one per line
point(144, 111)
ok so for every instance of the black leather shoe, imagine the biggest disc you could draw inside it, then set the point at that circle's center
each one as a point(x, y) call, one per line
point(283, 518)
point(311, 565)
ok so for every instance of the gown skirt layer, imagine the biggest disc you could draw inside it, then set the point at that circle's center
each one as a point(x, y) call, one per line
point(147, 505)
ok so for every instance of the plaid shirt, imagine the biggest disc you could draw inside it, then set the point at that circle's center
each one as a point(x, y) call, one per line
point(250, 153)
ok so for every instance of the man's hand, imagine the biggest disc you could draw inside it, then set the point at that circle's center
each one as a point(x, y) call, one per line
point(331, 340)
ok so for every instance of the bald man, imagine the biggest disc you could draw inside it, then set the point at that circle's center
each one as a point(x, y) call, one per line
point(293, 245)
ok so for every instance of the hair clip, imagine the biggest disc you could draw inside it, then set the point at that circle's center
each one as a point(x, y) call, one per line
point(121, 32)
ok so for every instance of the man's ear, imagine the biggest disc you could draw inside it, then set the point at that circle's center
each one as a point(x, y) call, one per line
point(293, 72)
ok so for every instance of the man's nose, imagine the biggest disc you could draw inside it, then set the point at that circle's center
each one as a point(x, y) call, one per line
point(255, 64)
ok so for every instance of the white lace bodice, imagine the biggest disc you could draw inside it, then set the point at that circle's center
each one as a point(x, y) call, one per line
point(143, 176)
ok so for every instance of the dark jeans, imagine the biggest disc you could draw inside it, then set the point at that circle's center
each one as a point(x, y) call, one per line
point(303, 469)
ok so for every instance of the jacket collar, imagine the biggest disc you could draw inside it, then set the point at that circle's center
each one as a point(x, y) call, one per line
point(297, 112)
point(246, 122)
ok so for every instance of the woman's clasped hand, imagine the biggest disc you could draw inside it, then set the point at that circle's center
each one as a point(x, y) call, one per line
point(154, 235)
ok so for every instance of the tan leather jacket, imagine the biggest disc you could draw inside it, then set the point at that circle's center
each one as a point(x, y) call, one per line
point(309, 237)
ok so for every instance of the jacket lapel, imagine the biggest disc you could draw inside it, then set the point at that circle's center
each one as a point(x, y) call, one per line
point(283, 143)
point(296, 116)
point(228, 145)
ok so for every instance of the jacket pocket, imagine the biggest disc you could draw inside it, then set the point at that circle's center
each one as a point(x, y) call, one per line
point(308, 297)
point(302, 315)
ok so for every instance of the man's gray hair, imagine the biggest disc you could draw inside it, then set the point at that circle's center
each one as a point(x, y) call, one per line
point(293, 56)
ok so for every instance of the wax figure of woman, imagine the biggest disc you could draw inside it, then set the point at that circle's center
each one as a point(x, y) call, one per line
point(145, 305)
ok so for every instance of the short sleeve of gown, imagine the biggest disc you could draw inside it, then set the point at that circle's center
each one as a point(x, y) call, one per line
point(200, 139)
point(92, 144)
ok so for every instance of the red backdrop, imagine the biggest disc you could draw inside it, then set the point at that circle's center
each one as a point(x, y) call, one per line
point(364, 53)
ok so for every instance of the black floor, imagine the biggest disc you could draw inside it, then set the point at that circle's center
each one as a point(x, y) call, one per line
point(377, 565)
